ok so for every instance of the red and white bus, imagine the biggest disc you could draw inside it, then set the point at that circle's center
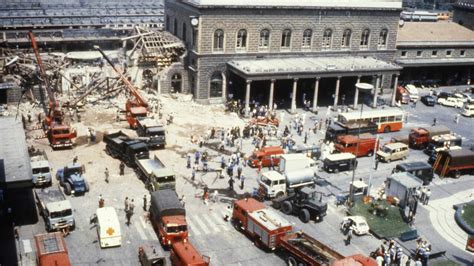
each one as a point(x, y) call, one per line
point(386, 120)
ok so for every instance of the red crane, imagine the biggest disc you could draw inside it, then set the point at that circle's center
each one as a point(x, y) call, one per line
point(135, 107)
point(59, 134)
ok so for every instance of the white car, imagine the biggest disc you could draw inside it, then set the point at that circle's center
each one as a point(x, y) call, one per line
point(358, 222)
point(451, 102)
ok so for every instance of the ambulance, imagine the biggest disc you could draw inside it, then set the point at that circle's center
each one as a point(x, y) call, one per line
point(108, 227)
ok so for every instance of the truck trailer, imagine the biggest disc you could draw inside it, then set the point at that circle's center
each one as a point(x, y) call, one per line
point(155, 174)
point(121, 146)
point(51, 250)
point(421, 136)
point(454, 163)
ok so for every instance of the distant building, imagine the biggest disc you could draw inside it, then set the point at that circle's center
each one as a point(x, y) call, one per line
point(268, 50)
point(439, 52)
point(464, 13)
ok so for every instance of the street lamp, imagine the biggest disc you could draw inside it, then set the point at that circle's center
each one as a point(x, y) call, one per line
point(359, 87)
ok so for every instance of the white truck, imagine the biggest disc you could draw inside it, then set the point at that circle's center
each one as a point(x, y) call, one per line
point(55, 209)
point(155, 174)
point(273, 184)
point(41, 170)
point(413, 92)
point(295, 161)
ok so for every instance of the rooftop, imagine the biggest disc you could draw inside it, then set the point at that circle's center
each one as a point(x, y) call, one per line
point(15, 168)
point(384, 4)
point(406, 179)
point(429, 33)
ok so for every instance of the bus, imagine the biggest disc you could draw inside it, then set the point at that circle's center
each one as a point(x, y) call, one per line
point(386, 120)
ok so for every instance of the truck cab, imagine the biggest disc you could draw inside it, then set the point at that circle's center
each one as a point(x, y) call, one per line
point(272, 184)
point(393, 151)
point(60, 136)
point(420, 137)
point(153, 131)
point(41, 170)
point(72, 179)
point(442, 142)
point(152, 254)
point(55, 209)
point(265, 156)
point(348, 143)
point(335, 163)
point(306, 202)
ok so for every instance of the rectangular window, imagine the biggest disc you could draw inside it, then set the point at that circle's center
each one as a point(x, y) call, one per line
point(449, 53)
point(434, 53)
point(462, 53)
point(404, 54)
point(419, 53)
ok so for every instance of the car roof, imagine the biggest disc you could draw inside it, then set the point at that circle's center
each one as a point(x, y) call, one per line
point(395, 145)
point(357, 219)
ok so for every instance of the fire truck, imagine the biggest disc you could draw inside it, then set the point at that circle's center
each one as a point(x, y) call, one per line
point(184, 253)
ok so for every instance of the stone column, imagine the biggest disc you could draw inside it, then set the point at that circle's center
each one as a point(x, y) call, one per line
point(315, 97)
point(376, 89)
point(270, 99)
point(356, 95)
point(394, 91)
point(293, 96)
point(247, 98)
point(336, 94)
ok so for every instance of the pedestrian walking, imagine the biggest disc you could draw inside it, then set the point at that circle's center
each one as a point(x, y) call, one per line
point(222, 162)
point(183, 200)
point(239, 171)
point(126, 203)
point(205, 195)
point(434, 122)
point(456, 118)
point(193, 173)
point(122, 168)
point(188, 164)
point(144, 202)
point(349, 235)
point(231, 183)
point(101, 201)
point(427, 196)
point(129, 213)
point(106, 175)
point(242, 181)
point(74, 160)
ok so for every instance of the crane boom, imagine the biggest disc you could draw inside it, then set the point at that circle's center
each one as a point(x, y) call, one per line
point(124, 79)
point(41, 67)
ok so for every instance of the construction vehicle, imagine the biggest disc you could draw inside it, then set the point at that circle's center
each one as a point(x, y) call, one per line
point(303, 202)
point(41, 169)
point(168, 217)
point(152, 131)
point(55, 209)
point(184, 253)
point(155, 174)
point(121, 146)
point(59, 134)
point(454, 163)
point(364, 145)
point(51, 250)
point(136, 107)
point(420, 137)
point(442, 142)
point(152, 254)
point(72, 179)
point(260, 223)
point(274, 184)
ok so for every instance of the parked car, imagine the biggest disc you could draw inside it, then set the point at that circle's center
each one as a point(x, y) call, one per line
point(358, 222)
point(468, 109)
point(428, 100)
point(443, 94)
point(451, 102)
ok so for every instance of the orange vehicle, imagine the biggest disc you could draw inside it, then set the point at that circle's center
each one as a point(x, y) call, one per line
point(348, 143)
point(420, 137)
point(356, 260)
point(386, 120)
point(263, 121)
point(185, 254)
point(167, 216)
point(402, 95)
point(265, 155)
point(265, 226)
point(51, 250)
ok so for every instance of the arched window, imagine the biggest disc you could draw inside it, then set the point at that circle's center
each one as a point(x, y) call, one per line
point(241, 39)
point(327, 39)
point(219, 40)
point(364, 38)
point(215, 89)
point(346, 38)
point(183, 33)
point(264, 41)
point(175, 28)
point(307, 35)
point(176, 83)
point(383, 38)
point(286, 38)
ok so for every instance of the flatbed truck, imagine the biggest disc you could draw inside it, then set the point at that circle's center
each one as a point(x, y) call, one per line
point(55, 209)
point(155, 174)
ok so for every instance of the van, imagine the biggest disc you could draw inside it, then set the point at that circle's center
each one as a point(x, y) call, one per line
point(392, 151)
point(413, 92)
point(108, 227)
point(468, 110)
point(265, 155)
point(359, 146)
point(422, 170)
point(335, 163)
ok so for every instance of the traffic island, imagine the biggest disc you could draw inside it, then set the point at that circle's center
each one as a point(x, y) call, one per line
point(465, 216)
point(385, 220)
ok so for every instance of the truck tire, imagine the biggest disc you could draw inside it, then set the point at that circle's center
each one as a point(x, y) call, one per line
point(86, 185)
point(457, 174)
point(387, 129)
point(304, 215)
point(286, 207)
point(67, 189)
point(291, 261)
point(276, 205)
point(370, 154)
point(280, 194)
point(336, 171)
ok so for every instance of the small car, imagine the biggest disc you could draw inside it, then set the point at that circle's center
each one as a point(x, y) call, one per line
point(443, 94)
point(451, 102)
point(359, 224)
point(428, 100)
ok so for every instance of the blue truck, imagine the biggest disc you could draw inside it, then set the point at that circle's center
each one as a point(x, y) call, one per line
point(72, 179)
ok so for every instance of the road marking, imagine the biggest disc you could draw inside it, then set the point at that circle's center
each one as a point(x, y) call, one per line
point(219, 221)
point(193, 227)
point(148, 229)
point(202, 225)
point(140, 231)
point(213, 224)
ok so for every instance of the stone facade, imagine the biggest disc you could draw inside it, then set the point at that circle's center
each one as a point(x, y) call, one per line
point(464, 13)
point(204, 61)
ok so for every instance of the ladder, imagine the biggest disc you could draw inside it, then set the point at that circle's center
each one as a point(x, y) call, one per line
point(445, 167)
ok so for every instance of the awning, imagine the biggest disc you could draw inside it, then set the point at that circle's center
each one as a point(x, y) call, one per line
point(436, 62)
point(310, 67)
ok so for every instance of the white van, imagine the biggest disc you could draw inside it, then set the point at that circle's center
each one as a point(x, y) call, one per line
point(108, 227)
point(413, 92)
point(468, 110)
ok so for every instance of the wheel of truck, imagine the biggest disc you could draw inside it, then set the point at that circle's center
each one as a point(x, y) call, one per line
point(280, 194)
point(457, 174)
point(304, 215)
point(336, 171)
point(73, 226)
point(286, 207)
point(276, 204)
point(387, 129)
point(370, 154)
point(291, 261)
point(86, 185)
point(67, 189)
